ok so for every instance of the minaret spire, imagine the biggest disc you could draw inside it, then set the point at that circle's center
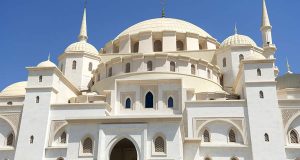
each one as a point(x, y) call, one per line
point(163, 11)
point(83, 31)
point(235, 29)
point(266, 27)
point(288, 66)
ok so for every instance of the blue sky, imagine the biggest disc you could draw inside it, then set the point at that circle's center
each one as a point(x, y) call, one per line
point(31, 29)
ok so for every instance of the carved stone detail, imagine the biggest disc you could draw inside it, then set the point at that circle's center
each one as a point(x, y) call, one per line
point(287, 114)
point(14, 119)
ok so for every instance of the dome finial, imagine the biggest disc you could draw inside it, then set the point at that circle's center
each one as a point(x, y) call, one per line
point(235, 29)
point(49, 56)
point(83, 30)
point(288, 66)
point(163, 12)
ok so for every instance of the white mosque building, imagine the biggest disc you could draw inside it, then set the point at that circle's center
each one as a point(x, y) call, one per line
point(163, 89)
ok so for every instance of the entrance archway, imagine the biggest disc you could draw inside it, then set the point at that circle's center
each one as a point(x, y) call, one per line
point(123, 150)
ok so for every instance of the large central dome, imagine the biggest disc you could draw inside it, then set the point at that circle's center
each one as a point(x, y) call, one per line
point(164, 24)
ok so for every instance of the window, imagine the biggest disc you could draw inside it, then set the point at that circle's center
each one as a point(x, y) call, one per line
point(179, 45)
point(193, 69)
point(294, 137)
point(10, 139)
point(87, 146)
point(172, 66)
point(207, 158)
point(40, 78)
point(261, 94)
point(232, 136)
point(224, 62)
point(258, 72)
point(109, 72)
point(241, 57)
point(60, 158)
point(170, 102)
point(208, 74)
point(157, 46)
point(90, 66)
point(149, 66)
point(128, 103)
point(63, 137)
point(149, 100)
point(267, 139)
point(61, 67)
point(74, 65)
point(159, 144)
point(127, 68)
point(37, 99)
point(136, 47)
point(31, 139)
point(200, 47)
point(206, 136)
point(10, 103)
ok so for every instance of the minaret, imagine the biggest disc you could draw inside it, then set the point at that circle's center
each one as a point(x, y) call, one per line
point(83, 30)
point(266, 28)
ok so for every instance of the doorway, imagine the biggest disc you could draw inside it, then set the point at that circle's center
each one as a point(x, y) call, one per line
point(124, 150)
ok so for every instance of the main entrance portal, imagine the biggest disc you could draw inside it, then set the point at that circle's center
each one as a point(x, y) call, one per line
point(124, 150)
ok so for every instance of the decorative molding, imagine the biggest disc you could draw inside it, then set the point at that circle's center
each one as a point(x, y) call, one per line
point(287, 114)
point(14, 120)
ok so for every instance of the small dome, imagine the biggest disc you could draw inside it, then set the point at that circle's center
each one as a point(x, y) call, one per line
point(288, 80)
point(15, 89)
point(81, 46)
point(47, 63)
point(164, 24)
point(238, 39)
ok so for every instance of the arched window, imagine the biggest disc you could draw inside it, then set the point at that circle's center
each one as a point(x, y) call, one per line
point(109, 71)
point(37, 99)
point(90, 66)
point(60, 158)
point(224, 62)
point(170, 102)
point(31, 139)
point(172, 66)
point(10, 139)
point(157, 46)
point(232, 136)
point(74, 65)
point(294, 137)
point(87, 145)
point(207, 158)
point(241, 57)
point(40, 78)
point(10, 103)
point(159, 144)
point(127, 68)
point(149, 66)
point(267, 139)
point(258, 72)
point(179, 45)
point(136, 47)
point(261, 94)
point(128, 103)
point(61, 67)
point(206, 136)
point(208, 74)
point(193, 69)
point(149, 100)
point(63, 137)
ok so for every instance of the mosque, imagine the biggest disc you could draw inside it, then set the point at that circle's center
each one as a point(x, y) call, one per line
point(163, 89)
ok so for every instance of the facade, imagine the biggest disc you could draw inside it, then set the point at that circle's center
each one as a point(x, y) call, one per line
point(163, 89)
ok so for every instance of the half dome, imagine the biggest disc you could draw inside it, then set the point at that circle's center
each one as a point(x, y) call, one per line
point(237, 39)
point(164, 24)
point(16, 89)
point(81, 46)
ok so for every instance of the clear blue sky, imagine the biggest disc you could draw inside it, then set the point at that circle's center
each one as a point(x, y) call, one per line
point(30, 29)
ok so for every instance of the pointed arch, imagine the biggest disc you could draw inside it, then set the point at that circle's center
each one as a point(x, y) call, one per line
point(241, 57)
point(31, 139)
point(179, 45)
point(172, 66)
point(206, 136)
point(232, 136)
point(87, 146)
point(193, 69)
point(294, 138)
point(128, 103)
point(63, 138)
point(149, 98)
point(74, 65)
point(258, 72)
point(170, 102)
point(261, 94)
point(267, 138)
point(10, 139)
point(37, 99)
point(90, 66)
